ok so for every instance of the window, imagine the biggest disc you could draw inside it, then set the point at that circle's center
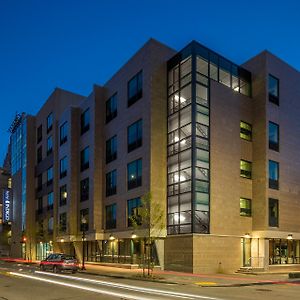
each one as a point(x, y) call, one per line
point(111, 216)
point(63, 195)
point(63, 166)
point(84, 219)
point(273, 175)
point(246, 169)
point(63, 222)
point(111, 183)
point(40, 205)
point(50, 201)
point(111, 149)
point(133, 211)
point(135, 88)
point(63, 133)
point(273, 136)
point(49, 145)
point(85, 121)
point(245, 131)
point(50, 176)
point(134, 174)
point(273, 89)
point(245, 207)
point(111, 108)
point(39, 133)
point(84, 189)
point(273, 212)
point(49, 122)
point(50, 225)
point(39, 154)
point(40, 182)
point(135, 135)
point(84, 159)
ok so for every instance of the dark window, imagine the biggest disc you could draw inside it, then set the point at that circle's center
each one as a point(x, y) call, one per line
point(49, 145)
point(135, 135)
point(245, 207)
point(245, 169)
point(50, 176)
point(63, 195)
point(273, 212)
point(39, 154)
point(273, 175)
point(49, 122)
point(85, 121)
point(273, 89)
point(133, 206)
point(111, 183)
point(84, 189)
point(50, 225)
point(111, 216)
point(40, 182)
point(39, 133)
point(63, 166)
point(63, 133)
point(111, 149)
point(84, 219)
point(50, 201)
point(273, 136)
point(84, 159)
point(63, 222)
point(134, 174)
point(245, 131)
point(111, 108)
point(135, 88)
point(40, 205)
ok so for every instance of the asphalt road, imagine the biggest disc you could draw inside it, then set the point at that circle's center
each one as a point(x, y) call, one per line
point(26, 282)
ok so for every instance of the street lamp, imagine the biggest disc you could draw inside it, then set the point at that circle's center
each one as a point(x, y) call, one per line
point(83, 225)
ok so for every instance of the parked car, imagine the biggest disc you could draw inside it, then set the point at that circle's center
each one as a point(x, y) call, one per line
point(58, 262)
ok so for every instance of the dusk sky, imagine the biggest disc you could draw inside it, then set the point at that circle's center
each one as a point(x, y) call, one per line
point(74, 44)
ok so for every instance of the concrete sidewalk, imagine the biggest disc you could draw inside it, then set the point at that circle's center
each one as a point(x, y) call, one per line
point(204, 280)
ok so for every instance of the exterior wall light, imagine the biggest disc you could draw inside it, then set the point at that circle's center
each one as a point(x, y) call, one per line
point(290, 237)
point(62, 240)
point(133, 236)
point(111, 237)
point(247, 236)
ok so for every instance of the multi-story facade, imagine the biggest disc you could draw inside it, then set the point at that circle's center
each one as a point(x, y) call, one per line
point(198, 131)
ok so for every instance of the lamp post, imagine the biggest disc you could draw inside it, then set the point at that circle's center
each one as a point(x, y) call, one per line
point(83, 224)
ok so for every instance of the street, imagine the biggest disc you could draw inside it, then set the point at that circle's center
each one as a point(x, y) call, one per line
point(19, 281)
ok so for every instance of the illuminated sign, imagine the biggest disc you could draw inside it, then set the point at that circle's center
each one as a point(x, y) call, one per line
point(6, 205)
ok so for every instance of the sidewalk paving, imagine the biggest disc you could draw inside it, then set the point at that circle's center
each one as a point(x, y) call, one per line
point(172, 277)
point(204, 280)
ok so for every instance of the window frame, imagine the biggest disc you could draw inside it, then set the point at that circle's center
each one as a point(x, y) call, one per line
point(245, 131)
point(109, 114)
point(138, 142)
point(246, 213)
point(138, 205)
point(138, 180)
point(244, 171)
point(272, 98)
point(63, 173)
point(49, 122)
point(63, 129)
point(275, 221)
point(110, 189)
point(84, 191)
point(111, 223)
point(84, 165)
point(85, 121)
point(273, 146)
point(273, 183)
point(109, 157)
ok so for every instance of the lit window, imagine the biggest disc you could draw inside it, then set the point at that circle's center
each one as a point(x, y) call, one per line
point(246, 169)
point(245, 131)
point(245, 207)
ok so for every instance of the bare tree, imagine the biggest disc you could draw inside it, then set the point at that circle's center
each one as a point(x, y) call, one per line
point(150, 219)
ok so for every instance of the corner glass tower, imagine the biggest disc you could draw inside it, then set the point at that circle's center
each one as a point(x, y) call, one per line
point(189, 75)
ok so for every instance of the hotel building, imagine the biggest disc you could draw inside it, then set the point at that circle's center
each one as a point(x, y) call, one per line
point(214, 142)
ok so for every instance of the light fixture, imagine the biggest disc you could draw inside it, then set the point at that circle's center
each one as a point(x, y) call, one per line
point(133, 236)
point(176, 177)
point(178, 216)
point(176, 139)
point(247, 236)
point(290, 237)
point(62, 240)
point(50, 242)
point(65, 194)
point(41, 243)
point(182, 178)
point(182, 99)
point(183, 142)
point(236, 88)
point(111, 237)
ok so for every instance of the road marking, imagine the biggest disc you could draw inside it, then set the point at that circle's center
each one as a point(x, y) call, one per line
point(129, 287)
point(205, 283)
point(80, 287)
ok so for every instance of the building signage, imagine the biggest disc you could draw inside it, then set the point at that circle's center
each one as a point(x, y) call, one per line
point(6, 205)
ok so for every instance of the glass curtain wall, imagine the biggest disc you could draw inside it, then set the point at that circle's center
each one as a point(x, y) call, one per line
point(189, 75)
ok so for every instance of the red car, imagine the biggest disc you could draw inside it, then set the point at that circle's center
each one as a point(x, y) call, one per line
point(58, 262)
